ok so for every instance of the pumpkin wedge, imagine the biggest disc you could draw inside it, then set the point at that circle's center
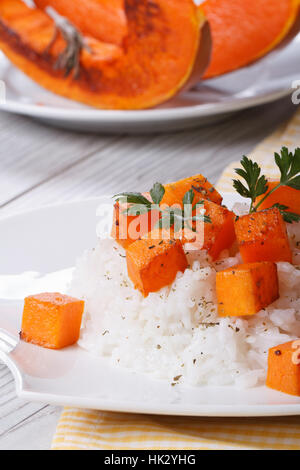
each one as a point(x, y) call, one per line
point(244, 31)
point(108, 23)
point(159, 54)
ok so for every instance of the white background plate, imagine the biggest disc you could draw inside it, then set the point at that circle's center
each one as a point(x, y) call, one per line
point(48, 240)
point(264, 81)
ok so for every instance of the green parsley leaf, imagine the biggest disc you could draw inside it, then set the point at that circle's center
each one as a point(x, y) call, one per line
point(136, 209)
point(288, 217)
point(289, 166)
point(256, 184)
point(157, 193)
point(198, 204)
point(166, 221)
point(189, 197)
point(132, 198)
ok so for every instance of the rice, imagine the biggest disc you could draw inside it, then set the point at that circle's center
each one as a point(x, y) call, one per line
point(176, 334)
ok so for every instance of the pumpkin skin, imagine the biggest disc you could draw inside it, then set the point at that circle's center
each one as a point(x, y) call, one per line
point(245, 30)
point(161, 51)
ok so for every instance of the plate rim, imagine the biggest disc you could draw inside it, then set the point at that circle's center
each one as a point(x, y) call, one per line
point(149, 115)
point(100, 404)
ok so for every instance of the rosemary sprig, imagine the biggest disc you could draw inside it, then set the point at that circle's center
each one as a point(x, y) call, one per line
point(69, 59)
point(256, 184)
point(171, 216)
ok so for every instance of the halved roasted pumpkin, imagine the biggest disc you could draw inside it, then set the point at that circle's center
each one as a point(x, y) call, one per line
point(160, 47)
point(244, 30)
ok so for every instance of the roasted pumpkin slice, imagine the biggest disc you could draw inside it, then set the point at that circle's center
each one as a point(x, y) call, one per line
point(104, 20)
point(165, 43)
point(244, 31)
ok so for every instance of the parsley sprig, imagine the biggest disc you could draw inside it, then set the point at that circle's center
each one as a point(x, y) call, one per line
point(256, 184)
point(170, 216)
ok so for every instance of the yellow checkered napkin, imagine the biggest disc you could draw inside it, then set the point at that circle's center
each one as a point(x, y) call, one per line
point(83, 429)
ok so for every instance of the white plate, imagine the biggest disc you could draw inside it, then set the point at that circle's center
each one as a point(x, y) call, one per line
point(49, 240)
point(264, 81)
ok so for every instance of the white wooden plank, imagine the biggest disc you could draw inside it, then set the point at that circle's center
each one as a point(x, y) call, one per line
point(6, 373)
point(31, 153)
point(7, 386)
point(16, 414)
point(33, 434)
point(134, 163)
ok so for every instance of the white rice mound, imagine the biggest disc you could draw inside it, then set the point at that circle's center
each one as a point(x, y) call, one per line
point(176, 334)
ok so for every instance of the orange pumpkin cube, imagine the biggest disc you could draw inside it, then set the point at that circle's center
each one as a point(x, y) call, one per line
point(153, 262)
point(220, 234)
point(203, 189)
point(246, 289)
point(284, 368)
point(286, 196)
point(216, 236)
point(262, 236)
point(51, 320)
point(127, 229)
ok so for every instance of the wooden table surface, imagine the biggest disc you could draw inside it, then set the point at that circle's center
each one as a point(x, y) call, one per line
point(41, 165)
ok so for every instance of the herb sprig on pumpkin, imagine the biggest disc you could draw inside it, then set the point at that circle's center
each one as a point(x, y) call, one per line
point(176, 217)
point(255, 184)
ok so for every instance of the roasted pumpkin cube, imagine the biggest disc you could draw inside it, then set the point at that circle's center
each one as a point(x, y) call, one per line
point(203, 189)
point(153, 262)
point(127, 229)
point(285, 195)
point(246, 289)
point(51, 320)
point(219, 235)
point(262, 236)
point(284, 368)
point(216, 236)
